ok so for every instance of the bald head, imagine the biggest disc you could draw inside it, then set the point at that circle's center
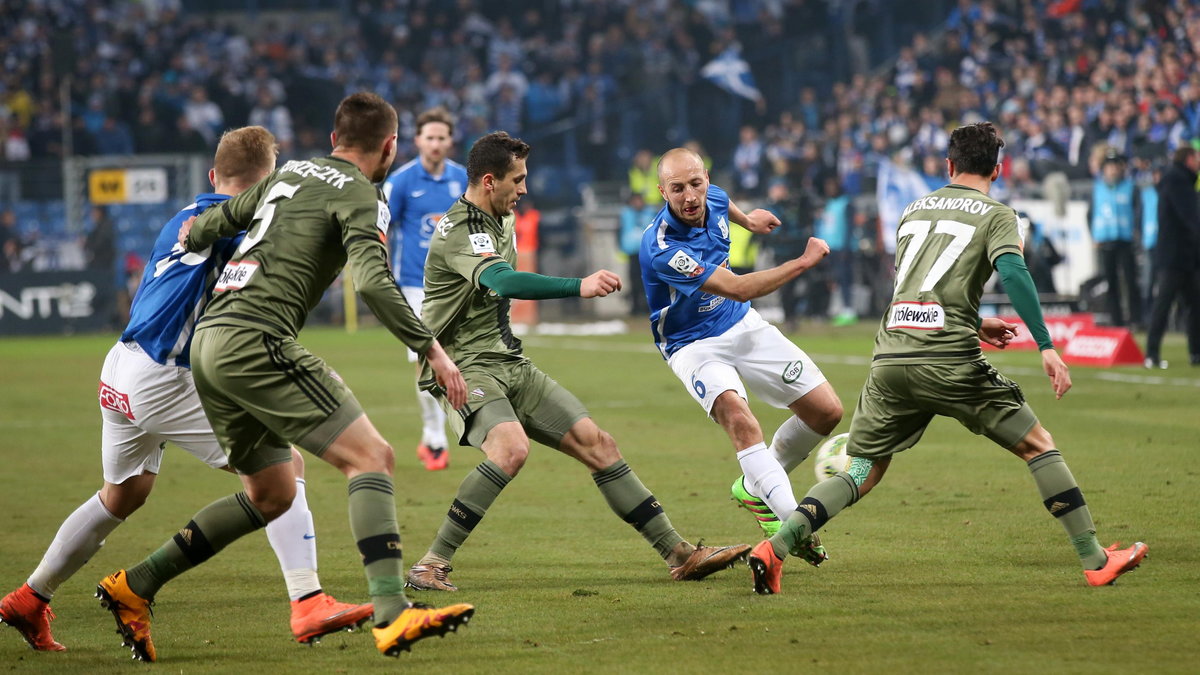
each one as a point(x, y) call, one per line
point(676, 160)
point(683, 183)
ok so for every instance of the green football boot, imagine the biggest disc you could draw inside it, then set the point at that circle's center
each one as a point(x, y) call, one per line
point(767, 520)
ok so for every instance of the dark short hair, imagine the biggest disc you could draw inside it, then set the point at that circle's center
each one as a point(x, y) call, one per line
point(494, 154)
point(1182, 154)
point(364, 121)
point(439, 115)
point(975, 149)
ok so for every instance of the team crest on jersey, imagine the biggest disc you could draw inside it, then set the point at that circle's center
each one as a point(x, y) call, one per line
point(724, 227)
point(481, 243)
point(684, 264)
point(384, 218)
point(455, 188)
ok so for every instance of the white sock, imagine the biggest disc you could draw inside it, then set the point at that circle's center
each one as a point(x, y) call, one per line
point(77, 540)
point(766, 479)
point(295, 543)
point(793, 442)
point(433, 434)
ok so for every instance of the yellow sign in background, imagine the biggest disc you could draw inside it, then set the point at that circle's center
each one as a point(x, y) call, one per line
point(107, 186)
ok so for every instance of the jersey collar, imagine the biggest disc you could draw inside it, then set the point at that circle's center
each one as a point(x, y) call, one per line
point(211, 197)
point(486, 216)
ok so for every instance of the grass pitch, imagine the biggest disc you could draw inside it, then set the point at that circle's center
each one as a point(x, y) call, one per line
point(952, 565)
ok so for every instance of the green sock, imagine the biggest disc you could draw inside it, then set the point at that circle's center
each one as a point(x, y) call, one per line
point(372, 506)
point(213, 528)
point(475, 494)
point(630, 500)
point(823, 501)
point(1062, 498)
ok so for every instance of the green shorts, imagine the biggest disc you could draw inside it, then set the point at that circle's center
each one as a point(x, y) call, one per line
point(898, 402)
point(262, 394)
point(513, 391)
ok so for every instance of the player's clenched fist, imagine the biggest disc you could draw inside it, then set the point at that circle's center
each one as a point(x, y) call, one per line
point(599, 284)
point(815, 251)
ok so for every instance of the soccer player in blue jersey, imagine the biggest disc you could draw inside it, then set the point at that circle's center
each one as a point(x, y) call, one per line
point(702, 322)
point(418, 193)
point(147, 399)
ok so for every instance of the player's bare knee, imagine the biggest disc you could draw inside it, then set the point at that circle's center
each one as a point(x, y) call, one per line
point(272, 502)
point(604, 453)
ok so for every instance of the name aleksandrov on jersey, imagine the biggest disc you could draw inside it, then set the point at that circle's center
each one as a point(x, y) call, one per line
point(917, 315)
point(965, 204)
point(307, 169)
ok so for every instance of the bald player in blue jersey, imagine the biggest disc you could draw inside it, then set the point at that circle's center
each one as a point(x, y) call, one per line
point(418, 194)
point(719, 346)
point(147, 399)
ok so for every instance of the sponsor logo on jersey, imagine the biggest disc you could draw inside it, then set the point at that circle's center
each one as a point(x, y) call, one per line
point(792, 372)
point(917, 315)
point(684, 264)
point(481, 243)
point(235, 275)
point(429, 223)
point(709, 301)
point(114, 400)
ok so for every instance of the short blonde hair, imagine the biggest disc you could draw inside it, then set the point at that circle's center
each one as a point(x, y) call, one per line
point(245, 155)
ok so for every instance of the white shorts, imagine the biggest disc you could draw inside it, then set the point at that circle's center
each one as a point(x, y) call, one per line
point(144, 405)
point(754, 351)
point(415, 296)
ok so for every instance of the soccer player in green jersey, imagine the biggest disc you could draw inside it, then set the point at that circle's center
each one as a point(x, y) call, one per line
point(928, 362)
point(262, 391)
point(469, 281)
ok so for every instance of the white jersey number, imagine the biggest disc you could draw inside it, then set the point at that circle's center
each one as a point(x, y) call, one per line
point(265, 213)
point(919, 231)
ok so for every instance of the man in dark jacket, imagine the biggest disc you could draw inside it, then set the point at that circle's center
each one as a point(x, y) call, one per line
point(1177, 255)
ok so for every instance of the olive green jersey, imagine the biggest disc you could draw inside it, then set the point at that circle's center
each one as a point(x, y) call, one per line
point(470, 321)
point(303, 222)
point(947, 245)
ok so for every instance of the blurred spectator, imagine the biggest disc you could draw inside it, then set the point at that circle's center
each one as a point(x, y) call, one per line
point(1112, 216)
point(635, 218)
point(748, 162)
point(794, 210)
point(643, 177)
point(100, 246)
point(114, 138)
point(274, 117)
point(1176, 253)
point(835, 225)
point(1041, 256)
point(203, 115)
point(10, 242)
point(187, 139)
point(148, 135)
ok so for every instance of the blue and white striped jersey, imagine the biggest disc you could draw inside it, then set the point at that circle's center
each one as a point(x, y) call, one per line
point(676, 260)
point(175, 288)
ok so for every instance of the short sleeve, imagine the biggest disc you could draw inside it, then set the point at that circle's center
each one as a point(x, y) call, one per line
point(1004, 235)
point(682, 269)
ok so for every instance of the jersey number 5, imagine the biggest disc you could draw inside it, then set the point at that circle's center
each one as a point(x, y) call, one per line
point(265, 213)
point(919, 231)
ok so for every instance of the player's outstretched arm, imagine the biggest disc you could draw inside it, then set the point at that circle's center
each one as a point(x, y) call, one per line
point(226, 220)
point(599, 284)
point(758, 221)
point(447, 374)
point(743, 287)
